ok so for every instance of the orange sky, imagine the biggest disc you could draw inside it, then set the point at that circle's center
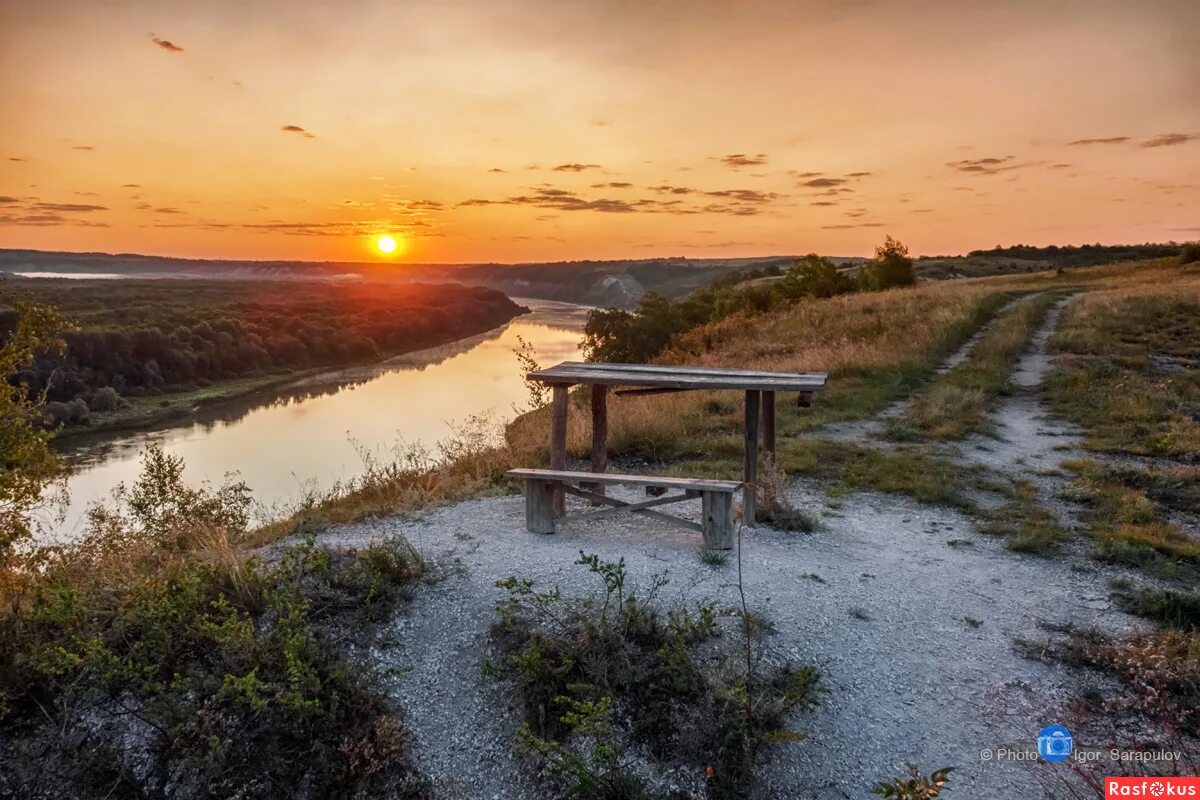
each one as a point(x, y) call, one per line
point(516, 130)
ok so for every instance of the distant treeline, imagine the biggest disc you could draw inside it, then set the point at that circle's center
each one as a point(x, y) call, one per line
point(139, 337)
point(1084, 255)
point(614, 335)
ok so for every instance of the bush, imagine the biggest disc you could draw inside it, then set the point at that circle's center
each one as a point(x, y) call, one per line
point(1190, 253)
point(156, 657)
point(607, 681)
point(106, 399)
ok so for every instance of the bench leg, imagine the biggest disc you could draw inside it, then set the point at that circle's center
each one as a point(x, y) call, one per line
point(718, 520)
point(558, 441)
point(539, 506)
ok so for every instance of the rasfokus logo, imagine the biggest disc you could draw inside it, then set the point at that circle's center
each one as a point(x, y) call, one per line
point(1151, 787)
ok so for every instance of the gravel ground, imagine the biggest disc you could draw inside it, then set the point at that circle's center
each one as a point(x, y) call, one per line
point(923, 670)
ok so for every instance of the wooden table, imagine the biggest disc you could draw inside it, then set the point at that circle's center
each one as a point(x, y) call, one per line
point(645, 379)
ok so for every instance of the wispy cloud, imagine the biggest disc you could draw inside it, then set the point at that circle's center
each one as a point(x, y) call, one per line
point(83, 147)
point(739, 160)
point(166, 44)
point(574, 167)
point(1105, 140)
point(990, 166)
point(299, 130)
point(823, 183)
point(612, 185)
point(1169, 139)
point(18, 160)
point(68, 207)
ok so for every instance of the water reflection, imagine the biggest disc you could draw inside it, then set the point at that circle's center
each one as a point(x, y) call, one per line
point(282, 440)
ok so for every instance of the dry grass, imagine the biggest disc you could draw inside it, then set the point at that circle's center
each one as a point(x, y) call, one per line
point(958, 402)
point(1129, 371)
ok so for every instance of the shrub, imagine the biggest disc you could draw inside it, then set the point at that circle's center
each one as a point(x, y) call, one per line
point(156, 657)
point(606, 682)
point(1190, 253)
point(915, 786)
point(106, 399)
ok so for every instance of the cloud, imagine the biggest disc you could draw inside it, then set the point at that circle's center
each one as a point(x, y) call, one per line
point(739, 160)
point(299, 130)
point(822, 183)
point(49, 220)
point(745, 202)
point(1169, 139)
point(496, 169)
point(990, 166)
point(612, 185)
point(745, 195)
point(1060, 166)
point(131, 186)
point(824, 203)
point(4, 199)
point(858, 174)
point(14, 158)
point(165, 44)
point(854, 225)
point(68, 207)
point(347, 228)
point(667, 189)
point(1108, 140)
point(574, 167)
point(83, 147)
point(168, 210)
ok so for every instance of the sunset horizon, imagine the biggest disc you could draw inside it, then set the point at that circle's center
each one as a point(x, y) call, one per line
point(527, 132)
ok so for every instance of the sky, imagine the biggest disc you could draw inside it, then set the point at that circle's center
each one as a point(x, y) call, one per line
point(532, 130)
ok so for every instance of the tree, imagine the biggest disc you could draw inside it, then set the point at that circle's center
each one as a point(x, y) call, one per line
point(27, 464)
point(814, 276)
point(890, 267)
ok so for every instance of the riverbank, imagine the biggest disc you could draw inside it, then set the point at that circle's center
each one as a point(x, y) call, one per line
point(155, 410)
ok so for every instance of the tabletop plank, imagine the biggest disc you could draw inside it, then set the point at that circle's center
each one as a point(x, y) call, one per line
point(671, 377)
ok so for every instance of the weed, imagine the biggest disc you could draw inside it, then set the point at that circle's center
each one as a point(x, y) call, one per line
point(914, 786)
point(714, 558)
point(1173, 609)
point(972, 622)
point(1028, 527)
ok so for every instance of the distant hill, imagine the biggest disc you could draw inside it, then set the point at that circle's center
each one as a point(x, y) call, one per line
point(617, 283)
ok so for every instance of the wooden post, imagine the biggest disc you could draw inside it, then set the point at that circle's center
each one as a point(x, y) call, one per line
point(599, 435)
point(558, 442)
point(718, 520)
point(539, 506)
point(768, 424)
point(750, 465)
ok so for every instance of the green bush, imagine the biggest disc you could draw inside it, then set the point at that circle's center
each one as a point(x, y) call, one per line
point(154, 658)
point(608, 679)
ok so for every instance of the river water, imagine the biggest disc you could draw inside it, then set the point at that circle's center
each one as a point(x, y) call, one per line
point(312, 433)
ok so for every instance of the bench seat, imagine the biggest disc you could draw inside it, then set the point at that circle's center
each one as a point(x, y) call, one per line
point(717, 527)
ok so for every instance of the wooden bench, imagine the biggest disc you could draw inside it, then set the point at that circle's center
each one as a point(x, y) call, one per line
point(541, 485)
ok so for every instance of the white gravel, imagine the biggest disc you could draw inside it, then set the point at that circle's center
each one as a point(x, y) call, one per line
point(915, 681)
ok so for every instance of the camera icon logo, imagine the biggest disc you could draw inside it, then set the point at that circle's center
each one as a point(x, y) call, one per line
point(1054, 743)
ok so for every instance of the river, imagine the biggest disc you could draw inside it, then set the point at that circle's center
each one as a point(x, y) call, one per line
point(311, 433)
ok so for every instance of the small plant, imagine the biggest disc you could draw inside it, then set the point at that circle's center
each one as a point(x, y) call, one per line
point(714, 558)
point(772, 505)
point(972, 622)
point(915, 786)
point(859, 613)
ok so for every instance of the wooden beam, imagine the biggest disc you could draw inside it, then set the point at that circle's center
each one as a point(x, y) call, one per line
point(646, 392)
point(599, 433)
point(750, 461)
point(558, 442)
point(599, 498)
point(768, 424)
point(632, 507)
point(665, 482)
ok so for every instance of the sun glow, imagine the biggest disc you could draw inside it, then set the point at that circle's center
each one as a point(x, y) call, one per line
point(386, 244)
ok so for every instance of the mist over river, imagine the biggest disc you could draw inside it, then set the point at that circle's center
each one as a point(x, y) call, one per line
point(310, 433)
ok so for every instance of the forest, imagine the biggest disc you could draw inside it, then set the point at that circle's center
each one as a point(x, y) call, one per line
point(1084, 255)
point(132, 338)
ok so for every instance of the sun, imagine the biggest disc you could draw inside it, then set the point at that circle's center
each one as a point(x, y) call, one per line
point(386, 244)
